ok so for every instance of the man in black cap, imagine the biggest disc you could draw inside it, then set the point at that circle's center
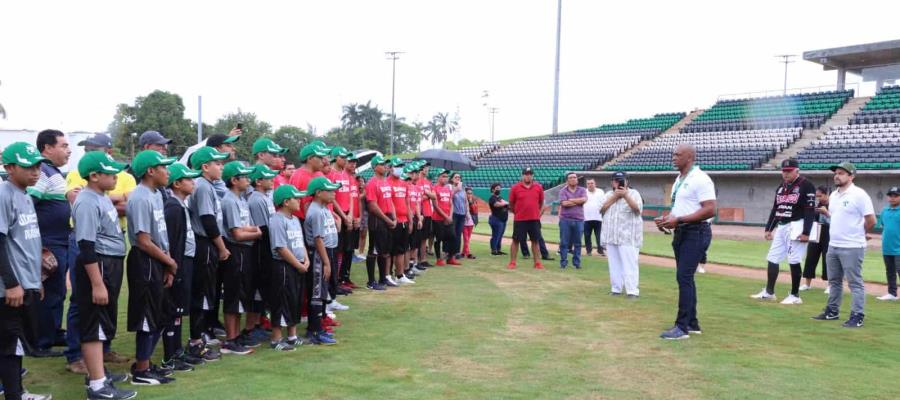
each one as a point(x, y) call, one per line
point(526, 201)
point(153, 140)
point(890, 241)
point(790, 223)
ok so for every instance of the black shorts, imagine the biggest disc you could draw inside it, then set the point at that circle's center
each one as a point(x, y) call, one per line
point(348, 239)
point(204, 293)
point(177, 300)
point(442, 231)
point(427, 230)
point(283, 296)
point(237, 279)
point(262, 254)
point(379, 237)
point(400, 239)
point(19, 325)
point(145, 292)
point(96, 322)
point(524, 230)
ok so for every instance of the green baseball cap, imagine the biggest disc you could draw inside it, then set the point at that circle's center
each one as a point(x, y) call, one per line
point(233, 169)
point(180, 171)
point(22, 154)
point(441, 171)
point(846, 166)
point(285, 192)
point(313, 149)
point(397, 162)
point(206, 154)
point(379, 160)
point(339, 151)
point(262, 171)
point(99, 161)
point(320, 183)
point(268, 146)
point(352, 157)
point(148, 159)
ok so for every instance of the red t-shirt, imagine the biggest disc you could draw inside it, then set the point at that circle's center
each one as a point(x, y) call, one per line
point(279, 180)
point(526, 202)
point(399, 186)
point(414, 192)
point(342, 195)
point(300, 179)
point(425, 185)
point(354, 196)
point(444, 202)
point(379, 190)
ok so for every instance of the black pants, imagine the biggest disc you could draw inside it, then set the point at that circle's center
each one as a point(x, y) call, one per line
point(892, 268)
point(815, 250)
point(689, 244)
point(592, 228)
point(526, 251)
point(316, 289)
point(205, 291)
point(17, 325)
point(177, 304)
point(11, 376)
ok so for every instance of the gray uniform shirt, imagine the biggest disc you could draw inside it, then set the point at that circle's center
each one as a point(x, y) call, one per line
point(235, 214)
point(261, 208)
point(96, 220)
point(320, 223)
point(18, 222)
point(204, 201)
point(190, 243)
point(287, 233)
point(145, 213)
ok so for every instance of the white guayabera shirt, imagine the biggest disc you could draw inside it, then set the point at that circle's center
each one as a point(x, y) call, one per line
point(622, 226)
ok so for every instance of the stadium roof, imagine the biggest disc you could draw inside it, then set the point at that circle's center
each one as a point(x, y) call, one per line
point(855, 58)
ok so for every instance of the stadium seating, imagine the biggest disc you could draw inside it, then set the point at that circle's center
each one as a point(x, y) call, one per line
point(807, 110)
point(883, 108)
point(727, 150)
point(476, 152)
point(869, 146)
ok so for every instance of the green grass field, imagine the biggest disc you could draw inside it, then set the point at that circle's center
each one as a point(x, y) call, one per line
point(743, 253)
point(481, 331)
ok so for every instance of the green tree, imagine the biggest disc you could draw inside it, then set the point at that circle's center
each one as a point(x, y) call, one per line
point(441, 127)
point(253, 128)
point(158, 111)
point(293, 138)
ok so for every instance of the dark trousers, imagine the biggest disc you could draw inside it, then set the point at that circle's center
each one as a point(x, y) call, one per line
point(814, 251)
point(50, 318)
point(592, 228)
point(459, 222)
point(892, 267)
point(498, 227)
point(689, 244)
point(526, 251)
point(11, 376)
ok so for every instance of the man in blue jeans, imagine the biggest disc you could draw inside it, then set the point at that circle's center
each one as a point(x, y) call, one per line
point(497, 220)
point(571, 221)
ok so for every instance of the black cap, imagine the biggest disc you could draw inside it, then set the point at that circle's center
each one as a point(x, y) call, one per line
point(894, 191)
point(98, 140)
point(153, 137)
point(527, 171)
point(619, 175)
point(790, 163)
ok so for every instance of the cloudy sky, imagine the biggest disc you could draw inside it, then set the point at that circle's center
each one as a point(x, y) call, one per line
point(67, 64)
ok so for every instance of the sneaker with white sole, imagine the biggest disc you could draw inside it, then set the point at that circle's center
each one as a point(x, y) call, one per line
point(791, 299)
point(828, 289)
point(888, 297)
point(764, 295)
point(35, 396)
point(701, 269)
point(405, 281)
point(337, 306)
point(804, 288)
point(390, 280)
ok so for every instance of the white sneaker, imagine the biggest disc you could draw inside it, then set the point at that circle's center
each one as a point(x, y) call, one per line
point(391, 280)
point(337, 306)
point(888, 297)
point(791, 299)
point(33, 396)
point(805, 287)
point(700, 269)
point(764, 295)
point(405, 281)
point(828, 289)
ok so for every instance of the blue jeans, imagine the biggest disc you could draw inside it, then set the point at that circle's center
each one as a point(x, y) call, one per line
point(690, 244)
point(459, 221)
point(570, 232)
point(498, 227)
point(51, 307)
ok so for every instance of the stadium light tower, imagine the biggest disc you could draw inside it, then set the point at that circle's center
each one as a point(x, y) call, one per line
point(556, 70)
point(786, 59)
point(493, 111)
point(393, 56)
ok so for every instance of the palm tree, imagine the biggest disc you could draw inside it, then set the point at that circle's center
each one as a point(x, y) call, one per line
point(441, 127)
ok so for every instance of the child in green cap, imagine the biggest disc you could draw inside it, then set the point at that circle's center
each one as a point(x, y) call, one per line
point(290, 264)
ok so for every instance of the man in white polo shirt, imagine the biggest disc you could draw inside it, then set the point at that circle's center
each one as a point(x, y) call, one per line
point(852, 218)
point(693, 206)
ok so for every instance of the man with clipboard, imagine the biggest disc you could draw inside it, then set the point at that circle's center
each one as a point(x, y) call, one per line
point(789, 227)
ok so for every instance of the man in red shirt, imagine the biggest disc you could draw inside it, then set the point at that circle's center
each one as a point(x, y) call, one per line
point(311, 156)
point(442, 217)
point(414, 191)
point(284, 176)
point(379, 196)
point(526, 201)
point(427, 212)
point(344, 200)
point(355, 212)
point(400, 233)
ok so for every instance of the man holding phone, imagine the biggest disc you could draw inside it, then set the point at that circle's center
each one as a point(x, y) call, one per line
point(623, 236)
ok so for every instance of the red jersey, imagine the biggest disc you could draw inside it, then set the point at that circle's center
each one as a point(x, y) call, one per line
point(444, 202)
point(399, 188)
point(379, 190)
point(342, 195)
point(526, 202)
point(425, 185)
point(279, 180)
point(300, 179)
point(354, 196)
point(414, 191)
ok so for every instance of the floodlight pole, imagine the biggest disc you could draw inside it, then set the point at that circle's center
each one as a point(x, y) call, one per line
point(786, 59)
point(493, 111)
point(393, 56)
point(556, 71)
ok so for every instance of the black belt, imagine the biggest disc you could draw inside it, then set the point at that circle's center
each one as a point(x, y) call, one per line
point(691, 225)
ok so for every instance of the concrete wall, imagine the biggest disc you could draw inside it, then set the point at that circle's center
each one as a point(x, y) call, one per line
point(750, 191)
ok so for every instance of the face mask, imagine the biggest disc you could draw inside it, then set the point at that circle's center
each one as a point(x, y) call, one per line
point(398, 172)
point(497, 191)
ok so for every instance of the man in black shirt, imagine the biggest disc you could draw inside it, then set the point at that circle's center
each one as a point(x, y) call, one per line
point(498, 218)
point(789, 226)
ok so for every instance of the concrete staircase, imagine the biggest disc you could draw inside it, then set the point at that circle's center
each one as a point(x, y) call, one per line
point(644, 143)
point(808, 136)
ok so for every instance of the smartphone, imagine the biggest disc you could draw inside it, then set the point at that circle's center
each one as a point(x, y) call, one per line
point(239, 126)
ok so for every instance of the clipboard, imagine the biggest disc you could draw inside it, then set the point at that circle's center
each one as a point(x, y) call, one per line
point(797, 230)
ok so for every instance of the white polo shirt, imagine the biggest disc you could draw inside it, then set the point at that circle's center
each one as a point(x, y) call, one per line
point(593, 204)
point(848, 211)
point(689, 191)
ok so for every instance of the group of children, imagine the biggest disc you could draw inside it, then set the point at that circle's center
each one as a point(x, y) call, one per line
point(274, 255)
